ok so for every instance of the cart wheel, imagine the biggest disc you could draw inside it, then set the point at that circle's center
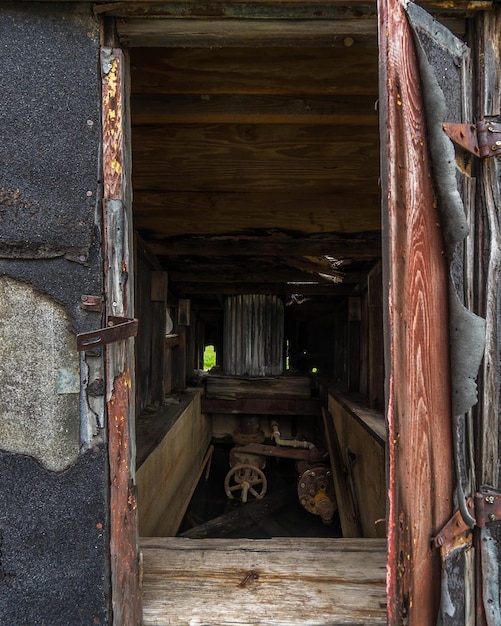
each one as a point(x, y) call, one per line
point(248, 479)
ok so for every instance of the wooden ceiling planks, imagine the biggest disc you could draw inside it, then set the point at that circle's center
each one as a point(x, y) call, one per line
point(342, 110)
point(267, 143)
point(365, 245)
point(255, 158)
point(271, 71)
point(165, 215)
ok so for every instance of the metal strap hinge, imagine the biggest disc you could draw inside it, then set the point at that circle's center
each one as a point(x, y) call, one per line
point(455, 526)
point(485, 507)
point(118, 328)
point(482, 139)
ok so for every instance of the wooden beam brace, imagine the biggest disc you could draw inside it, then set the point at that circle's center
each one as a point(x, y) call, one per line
point(260, 406)
point(365, 246)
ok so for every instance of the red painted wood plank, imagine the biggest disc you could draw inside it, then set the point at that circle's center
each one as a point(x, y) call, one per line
point(126, 595)
point(419, 420)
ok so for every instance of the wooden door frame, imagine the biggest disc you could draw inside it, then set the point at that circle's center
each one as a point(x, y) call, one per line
point(119, 301)
point(420, 463)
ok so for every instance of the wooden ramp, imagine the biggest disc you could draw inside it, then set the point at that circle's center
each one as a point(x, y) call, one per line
point(279, 582)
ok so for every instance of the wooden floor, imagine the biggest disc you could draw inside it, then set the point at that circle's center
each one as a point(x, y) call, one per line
point(279, 582)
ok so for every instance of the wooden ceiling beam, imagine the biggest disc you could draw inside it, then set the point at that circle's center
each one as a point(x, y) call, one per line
point(206, 273)
point(304, 72)
point(238, 9)
point(331, 9)
point(187, 290)
point(254, 33)
point(165, 215)
point(255, 109)
point(364, 245)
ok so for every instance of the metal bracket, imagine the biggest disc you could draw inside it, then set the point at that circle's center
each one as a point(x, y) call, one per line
point(455, 526)
point(118, 328)
point(487, 506)
point(482, 139)
point(92, 303)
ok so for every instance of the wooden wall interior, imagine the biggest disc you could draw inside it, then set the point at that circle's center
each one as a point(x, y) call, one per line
point(357, 444)
point(165, 478)
point(255, 171)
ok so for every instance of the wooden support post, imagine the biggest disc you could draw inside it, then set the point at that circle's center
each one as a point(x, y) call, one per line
point(354, 317)
point(159, 286)
point(375, 387)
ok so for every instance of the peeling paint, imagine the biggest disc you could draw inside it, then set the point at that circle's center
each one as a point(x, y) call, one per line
point(91, 402)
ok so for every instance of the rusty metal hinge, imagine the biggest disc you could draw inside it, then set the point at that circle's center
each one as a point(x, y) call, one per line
point(487, 506)
point(454, 527)
point(482, 139)
point(118, 328)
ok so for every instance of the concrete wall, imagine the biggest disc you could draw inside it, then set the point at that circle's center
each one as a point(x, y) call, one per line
point(53, 529)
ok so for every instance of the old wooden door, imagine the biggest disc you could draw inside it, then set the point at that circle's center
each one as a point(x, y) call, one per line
point(435, 340)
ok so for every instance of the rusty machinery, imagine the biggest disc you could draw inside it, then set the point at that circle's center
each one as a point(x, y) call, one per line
point(246, 478)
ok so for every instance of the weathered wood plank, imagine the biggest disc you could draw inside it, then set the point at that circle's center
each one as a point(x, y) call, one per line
point(419, 418)
point(489, 250)
point(179, 214)
point(126, 597)
point(348, 516)
point(255, 158)
point(239, 33)
point(364, 464)
point(165, 477)
point(151, 427)
point(276, 582)
point(371, 421)
point(231, 387)
point(240, 71)
point(429, 4)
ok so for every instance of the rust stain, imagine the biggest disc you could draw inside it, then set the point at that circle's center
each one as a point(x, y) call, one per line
point(112, 129)
point(126, 598)
point(251, 577)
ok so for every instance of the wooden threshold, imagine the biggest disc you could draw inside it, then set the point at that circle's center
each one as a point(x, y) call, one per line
point(279, 582)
